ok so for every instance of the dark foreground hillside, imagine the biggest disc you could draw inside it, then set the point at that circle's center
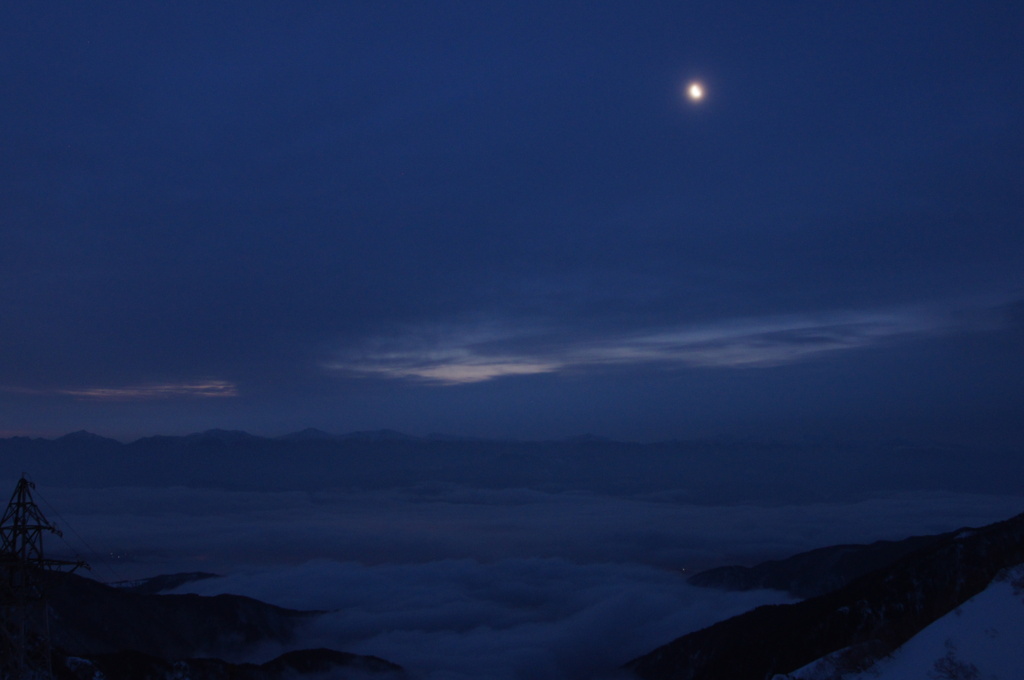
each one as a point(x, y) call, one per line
point(814, 572)
point(92, 618)
point(315, 663)
point(870, 616)
point(99, 632)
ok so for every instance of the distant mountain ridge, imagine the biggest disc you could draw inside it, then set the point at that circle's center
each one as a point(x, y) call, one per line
point(691, 471)
point(219, 434)
point(85, 437)
point(309, 434)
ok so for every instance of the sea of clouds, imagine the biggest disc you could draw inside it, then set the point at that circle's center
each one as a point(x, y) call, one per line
point(458, 582)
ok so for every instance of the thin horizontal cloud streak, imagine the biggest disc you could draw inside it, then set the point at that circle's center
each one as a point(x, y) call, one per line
point(460, 358)
point(200, 389)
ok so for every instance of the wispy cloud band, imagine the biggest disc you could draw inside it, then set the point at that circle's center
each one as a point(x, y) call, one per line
point(467, 356)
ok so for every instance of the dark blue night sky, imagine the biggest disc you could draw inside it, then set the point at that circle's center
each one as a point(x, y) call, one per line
point(509, 221)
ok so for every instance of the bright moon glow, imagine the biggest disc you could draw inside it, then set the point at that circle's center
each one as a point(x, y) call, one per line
point(695, 91)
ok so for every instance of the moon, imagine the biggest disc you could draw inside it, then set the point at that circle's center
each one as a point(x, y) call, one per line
point(695, 91)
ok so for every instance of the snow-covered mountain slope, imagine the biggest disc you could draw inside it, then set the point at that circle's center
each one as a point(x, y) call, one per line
point(869, 618)
point(979, 640)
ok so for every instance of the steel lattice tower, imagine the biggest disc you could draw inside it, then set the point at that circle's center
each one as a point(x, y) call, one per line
point(24, 620)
